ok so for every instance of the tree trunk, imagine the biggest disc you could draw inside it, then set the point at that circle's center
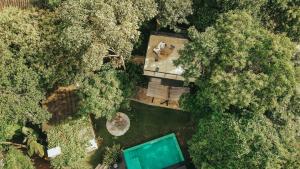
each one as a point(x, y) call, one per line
point(14, 144)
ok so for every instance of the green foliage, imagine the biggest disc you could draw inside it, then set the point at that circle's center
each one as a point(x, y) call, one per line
point(101, 94)
point(89, 31)
point(111, 155)
point(278, 15)
point(227, 141)
point(53, 3)
point(239, 65)
point(15, 159)
point(20, 93)
point(147, 9)
point(208, 11)
point(174, 12)
point(135, 74)
point(19, 32)
point(72, 137)
point(7, 131)
point(283, 16)
point(32, 144)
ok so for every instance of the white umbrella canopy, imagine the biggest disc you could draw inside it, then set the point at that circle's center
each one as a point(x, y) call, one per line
point(119, 125)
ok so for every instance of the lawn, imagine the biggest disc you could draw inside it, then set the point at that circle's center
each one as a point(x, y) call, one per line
point(147, 122)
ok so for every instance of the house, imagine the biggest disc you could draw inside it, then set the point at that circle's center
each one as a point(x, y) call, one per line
point(166, 81)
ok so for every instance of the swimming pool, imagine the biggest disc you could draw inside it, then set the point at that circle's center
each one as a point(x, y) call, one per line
point(155, 154)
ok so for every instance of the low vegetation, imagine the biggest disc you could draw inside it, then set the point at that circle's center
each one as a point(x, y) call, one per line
point(72, 137)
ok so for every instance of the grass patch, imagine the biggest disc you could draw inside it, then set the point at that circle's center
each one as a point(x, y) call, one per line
point(147, 122)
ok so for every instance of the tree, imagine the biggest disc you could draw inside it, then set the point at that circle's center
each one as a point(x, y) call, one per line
point(239, 65)
point(20, 90)
point(227, 140)
point(173, 12)
point(283, 16)
point(208, 11)
point(20, 93)
point(102, 94)
point(15, 159)
point(90, 31)
point(19, 32)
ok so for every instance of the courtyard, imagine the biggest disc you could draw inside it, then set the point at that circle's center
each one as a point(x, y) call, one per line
point(147, 123)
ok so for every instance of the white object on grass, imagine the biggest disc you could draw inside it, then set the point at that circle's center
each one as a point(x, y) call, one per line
point(53, 152)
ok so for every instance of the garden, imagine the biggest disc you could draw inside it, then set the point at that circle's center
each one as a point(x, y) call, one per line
point(147, 122)
point(243, 56)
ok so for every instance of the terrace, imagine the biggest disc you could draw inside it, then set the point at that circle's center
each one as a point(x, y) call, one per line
point(165, 78)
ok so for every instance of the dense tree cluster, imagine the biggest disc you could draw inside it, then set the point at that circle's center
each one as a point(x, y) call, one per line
point(279, 15)
point(20, 90)
point(241, 52)
point(246, 86)
point(228, 141)
point(241, 65)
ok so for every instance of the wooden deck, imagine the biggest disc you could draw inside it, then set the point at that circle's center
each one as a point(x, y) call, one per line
point(141, 96)
point(163, 91)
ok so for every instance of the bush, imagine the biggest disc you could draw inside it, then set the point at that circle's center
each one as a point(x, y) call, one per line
point(15, 159)
point(111, 155)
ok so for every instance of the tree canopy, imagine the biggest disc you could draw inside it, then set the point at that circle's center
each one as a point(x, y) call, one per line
point(241, 53)
point(174, 12)
point(239, 65)
point(228, 141)
point(15, 159)
point(246, 88)
point(20, 92)
point(91, 30)
point(101, 94)
point(281, 16)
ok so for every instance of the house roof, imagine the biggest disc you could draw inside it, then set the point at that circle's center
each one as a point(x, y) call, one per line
point(162, 51)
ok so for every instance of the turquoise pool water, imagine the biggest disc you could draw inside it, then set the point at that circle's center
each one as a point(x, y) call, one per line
point(154, 154)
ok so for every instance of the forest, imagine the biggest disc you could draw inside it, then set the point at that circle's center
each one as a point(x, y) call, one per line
point(244, 55)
